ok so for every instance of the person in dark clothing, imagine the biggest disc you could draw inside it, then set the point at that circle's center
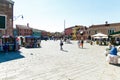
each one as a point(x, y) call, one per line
point(82, 43)
point(61, 44)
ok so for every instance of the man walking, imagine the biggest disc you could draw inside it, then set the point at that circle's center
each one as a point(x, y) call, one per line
point(61, 44)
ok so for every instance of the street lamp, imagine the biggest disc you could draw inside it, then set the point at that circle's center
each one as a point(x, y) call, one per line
point(16, 17)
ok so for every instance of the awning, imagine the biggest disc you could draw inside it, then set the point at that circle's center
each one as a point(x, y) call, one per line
point(100, 35)
point(115, 33)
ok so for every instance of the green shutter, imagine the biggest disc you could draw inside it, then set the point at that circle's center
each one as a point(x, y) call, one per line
point(2, 22)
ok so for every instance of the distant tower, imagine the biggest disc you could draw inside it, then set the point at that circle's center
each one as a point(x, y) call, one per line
point(64, 27)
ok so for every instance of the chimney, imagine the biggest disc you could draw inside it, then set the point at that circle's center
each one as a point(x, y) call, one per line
point(27, 24)
point(106, 22)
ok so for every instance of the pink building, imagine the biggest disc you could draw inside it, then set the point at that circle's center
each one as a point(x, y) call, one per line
point(23, 30)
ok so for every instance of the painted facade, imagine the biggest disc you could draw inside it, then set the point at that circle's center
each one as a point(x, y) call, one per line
point(107, 28)
point(24, 30)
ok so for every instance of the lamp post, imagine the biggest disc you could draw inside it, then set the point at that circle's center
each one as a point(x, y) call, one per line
point(64, 27)
point(16, 17)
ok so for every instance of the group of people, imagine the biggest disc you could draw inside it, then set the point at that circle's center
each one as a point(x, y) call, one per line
point(80, 43)
point(111, 54)
point(111, 51)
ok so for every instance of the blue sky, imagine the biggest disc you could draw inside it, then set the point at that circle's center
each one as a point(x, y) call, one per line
point(49, 15)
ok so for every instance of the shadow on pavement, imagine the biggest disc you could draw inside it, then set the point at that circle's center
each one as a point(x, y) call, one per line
point(33, 48)
point(118, 65)
point(64, 50)
point(69, 43)
point(8, 56)
point(83, 48)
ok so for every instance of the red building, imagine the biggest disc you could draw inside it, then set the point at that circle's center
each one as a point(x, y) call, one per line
point(23, 30)
point(68, 31)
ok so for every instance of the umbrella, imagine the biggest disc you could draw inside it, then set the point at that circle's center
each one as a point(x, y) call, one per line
point(100, 35)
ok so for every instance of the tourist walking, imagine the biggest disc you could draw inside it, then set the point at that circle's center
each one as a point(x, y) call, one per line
point(61, 44)
point(82, 41)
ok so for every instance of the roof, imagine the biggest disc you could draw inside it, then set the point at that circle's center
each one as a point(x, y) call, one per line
point(79, 26)
point(102, 25)
point(10, 1)
point(69, 28)
point(23, 27)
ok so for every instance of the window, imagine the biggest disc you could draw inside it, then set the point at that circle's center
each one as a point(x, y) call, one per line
point(10, 6)
point(2, 22)
point(110, 31)
point(89, 32)
point(95, 31)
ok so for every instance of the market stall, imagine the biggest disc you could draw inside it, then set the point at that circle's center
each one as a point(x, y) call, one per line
point(8, 43)
point(31, 42)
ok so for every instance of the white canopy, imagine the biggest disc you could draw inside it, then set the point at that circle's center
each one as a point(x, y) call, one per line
point(100, 35)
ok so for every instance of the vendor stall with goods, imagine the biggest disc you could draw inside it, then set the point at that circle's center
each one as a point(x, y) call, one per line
point(9, 43)
point(31, 42)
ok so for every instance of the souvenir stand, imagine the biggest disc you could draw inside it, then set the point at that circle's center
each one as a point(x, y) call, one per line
point(8, 43)
point(31, 42)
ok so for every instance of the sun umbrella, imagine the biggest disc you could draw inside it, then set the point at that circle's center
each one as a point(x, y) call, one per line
point(100, 35)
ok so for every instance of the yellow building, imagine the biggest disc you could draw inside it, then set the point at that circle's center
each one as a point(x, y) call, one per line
point(79, 32)
point(75, 30)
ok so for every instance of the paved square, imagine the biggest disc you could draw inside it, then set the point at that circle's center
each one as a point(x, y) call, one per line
point(50, 63)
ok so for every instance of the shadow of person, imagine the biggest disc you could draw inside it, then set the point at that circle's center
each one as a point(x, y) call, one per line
point(83, 48)
point(64, 50)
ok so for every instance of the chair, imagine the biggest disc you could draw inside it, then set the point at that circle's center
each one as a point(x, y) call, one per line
point(113, 59)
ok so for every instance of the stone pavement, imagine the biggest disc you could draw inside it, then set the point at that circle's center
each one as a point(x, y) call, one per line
point(50, 63)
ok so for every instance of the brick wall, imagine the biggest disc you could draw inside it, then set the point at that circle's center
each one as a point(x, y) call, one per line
point(6, 8)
